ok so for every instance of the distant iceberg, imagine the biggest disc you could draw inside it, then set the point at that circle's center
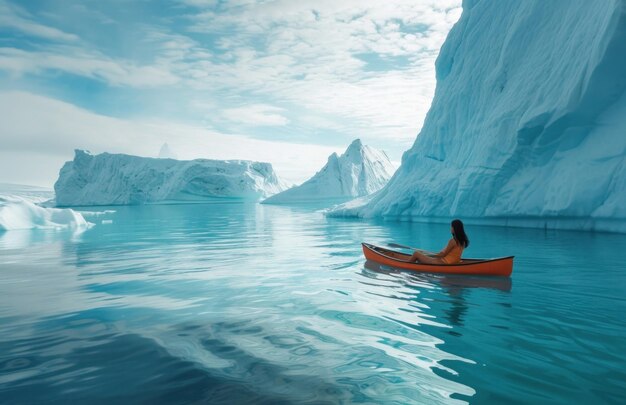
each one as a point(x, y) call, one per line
point(528, 123)
point(166, 152)
point(18, 213)
point(33, 194)
point(360, 171)
point(117, 179)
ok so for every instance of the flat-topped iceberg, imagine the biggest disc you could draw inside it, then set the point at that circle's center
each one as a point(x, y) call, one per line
point(360, 171)
point(528, 123)
point(18, 214)
point(118, 179)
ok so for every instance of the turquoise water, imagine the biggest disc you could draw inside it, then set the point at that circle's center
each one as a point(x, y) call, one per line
point(263, 304)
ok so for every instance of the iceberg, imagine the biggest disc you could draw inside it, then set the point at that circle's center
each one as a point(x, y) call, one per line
point(528, 123)
point(118, 179)
point(166, 152)
point(360, 171)
point(18, 214)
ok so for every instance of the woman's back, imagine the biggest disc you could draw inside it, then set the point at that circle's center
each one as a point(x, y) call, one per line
point(452, 253)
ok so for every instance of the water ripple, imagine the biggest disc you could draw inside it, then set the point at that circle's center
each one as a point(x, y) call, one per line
point(246, 303)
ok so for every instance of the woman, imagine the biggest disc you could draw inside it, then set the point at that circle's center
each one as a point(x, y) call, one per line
point(451, 254)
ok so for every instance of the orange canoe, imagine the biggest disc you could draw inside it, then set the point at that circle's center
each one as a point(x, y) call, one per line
point(501, 266)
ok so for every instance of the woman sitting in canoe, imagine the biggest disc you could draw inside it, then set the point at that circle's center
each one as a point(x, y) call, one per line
point(451, 254)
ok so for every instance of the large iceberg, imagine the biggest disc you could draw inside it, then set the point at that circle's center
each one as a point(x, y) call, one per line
point(360, 171)
point(117, 179)
point(528, 123)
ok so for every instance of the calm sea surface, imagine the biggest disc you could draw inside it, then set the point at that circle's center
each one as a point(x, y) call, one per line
point(246, 303)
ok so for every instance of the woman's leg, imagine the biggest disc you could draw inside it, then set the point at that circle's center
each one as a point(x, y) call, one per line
point(422, 258)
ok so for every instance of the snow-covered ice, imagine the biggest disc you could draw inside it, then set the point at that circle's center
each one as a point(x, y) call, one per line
point(528, 123)
point(360, 171)
point(117, 179)
point(20, 210)
point(18, 213)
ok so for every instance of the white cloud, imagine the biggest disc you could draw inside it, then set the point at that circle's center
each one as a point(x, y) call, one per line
point(18, 19)
point(310, 57)
point(256, 115)
point(39, 134)
point(200, 3)
point(361, 68)
point(88, 64)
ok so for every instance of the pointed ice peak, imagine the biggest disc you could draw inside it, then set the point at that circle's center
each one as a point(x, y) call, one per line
point(361, 170)
point(355, 145)
point(358, 153)
point(166, 152)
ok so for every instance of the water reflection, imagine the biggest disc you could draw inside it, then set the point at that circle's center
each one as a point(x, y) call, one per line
point(276, 304)
point(454, 286)
point(453, 282)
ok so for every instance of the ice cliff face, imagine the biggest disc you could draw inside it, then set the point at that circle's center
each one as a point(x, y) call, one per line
point(528, 123)
point(361, 170)
point(116, 179)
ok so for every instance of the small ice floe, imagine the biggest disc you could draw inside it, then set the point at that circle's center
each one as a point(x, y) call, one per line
point(19, 213)
point(96, 213)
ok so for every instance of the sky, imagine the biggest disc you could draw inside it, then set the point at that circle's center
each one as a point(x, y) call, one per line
point(283, 81)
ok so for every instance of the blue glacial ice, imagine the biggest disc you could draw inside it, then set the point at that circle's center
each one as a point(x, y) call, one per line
point(528, 123)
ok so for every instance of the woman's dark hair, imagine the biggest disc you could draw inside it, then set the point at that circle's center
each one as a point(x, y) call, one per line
point(459, 233)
